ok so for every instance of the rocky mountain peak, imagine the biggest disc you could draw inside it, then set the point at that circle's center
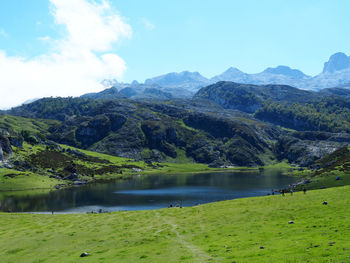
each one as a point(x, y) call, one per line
point(336, 62)
point(285, 70)
point(181, 78)
point(230, 74)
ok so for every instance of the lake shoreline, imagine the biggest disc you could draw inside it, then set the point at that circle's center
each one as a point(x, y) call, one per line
point(150, 191)
point(177, 169)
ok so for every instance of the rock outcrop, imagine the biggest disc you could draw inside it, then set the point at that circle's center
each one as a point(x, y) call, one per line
point(5, 147)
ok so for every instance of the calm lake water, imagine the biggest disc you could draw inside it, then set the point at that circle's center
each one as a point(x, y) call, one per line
point(149, 192)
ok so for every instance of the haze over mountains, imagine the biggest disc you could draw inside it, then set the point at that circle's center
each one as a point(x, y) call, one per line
point(336, 73)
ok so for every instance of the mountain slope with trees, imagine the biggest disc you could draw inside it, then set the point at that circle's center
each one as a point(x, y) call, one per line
point(225, 124)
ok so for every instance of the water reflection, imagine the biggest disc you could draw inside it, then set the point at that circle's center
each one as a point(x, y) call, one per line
point(149, 192)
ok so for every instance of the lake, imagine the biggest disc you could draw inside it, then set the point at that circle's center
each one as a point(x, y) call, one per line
point(149, 192)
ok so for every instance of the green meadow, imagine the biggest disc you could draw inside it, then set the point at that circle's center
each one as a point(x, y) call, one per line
point(242, 230)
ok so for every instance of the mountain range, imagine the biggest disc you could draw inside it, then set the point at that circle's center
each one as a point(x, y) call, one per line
point(336, 73)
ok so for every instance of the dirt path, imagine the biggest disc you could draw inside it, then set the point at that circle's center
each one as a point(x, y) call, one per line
point(198, 254)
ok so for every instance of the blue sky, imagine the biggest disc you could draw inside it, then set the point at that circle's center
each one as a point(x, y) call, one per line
point(160, 36)
point(210, 36)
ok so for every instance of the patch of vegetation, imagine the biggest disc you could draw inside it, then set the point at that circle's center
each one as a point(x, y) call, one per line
point(19, 125)
point(330, 114)
point(338, 160)
point(11, 180)
point(330, 171)
point(57, 108)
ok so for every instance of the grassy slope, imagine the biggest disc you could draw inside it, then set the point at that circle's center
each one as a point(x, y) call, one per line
point(230, 231)
point(15, 180)
point(17, 124)
point(336, 164)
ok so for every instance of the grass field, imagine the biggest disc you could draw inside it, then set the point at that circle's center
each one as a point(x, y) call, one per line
point(16, 124)
point(15, 180)
point(241, 230)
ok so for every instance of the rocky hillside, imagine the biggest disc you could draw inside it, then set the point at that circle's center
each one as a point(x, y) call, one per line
point(327, 110)
point(154, 131)
point(219, 131)
point(29, 159)
point(249, 98)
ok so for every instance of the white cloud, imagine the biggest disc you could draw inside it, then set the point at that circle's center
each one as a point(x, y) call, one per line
point(73, 67)
point(148, 24)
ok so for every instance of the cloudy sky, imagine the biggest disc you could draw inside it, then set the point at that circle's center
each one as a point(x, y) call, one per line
point(67, 47)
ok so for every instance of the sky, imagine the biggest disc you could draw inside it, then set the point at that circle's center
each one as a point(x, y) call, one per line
point(67, 47)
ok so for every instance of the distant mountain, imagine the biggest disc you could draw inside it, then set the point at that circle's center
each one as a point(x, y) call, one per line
point(134, 91)
point(232, 74)
point(286, 71)
point(327, 80)
point(338, 61)
point(279, 75)
point(192, 81)
point(110, 93)
point(336, 73)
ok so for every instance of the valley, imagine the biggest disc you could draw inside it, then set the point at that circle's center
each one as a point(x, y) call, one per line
point(87, 162)
point(174, 131)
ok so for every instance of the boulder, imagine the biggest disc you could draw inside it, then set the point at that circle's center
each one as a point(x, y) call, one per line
point(8, 166)
point(73, 176)
point(84, 254)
